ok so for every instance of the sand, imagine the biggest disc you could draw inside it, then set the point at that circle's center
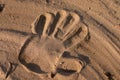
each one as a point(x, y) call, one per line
point(59, 40)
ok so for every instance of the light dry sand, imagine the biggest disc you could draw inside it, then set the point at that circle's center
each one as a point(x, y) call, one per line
point(59, 39)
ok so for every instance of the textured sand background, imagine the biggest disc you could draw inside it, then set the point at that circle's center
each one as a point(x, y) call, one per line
point(101, 51)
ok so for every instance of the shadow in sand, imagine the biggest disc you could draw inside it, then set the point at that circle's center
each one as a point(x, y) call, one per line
point(2, 7)
point(65, 72)
point(34, 67)
point(81, 57)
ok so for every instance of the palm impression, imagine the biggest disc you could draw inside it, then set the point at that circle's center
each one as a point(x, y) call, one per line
point(58, 34)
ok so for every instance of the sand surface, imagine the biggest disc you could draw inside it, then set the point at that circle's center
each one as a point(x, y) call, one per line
point(59, 39)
